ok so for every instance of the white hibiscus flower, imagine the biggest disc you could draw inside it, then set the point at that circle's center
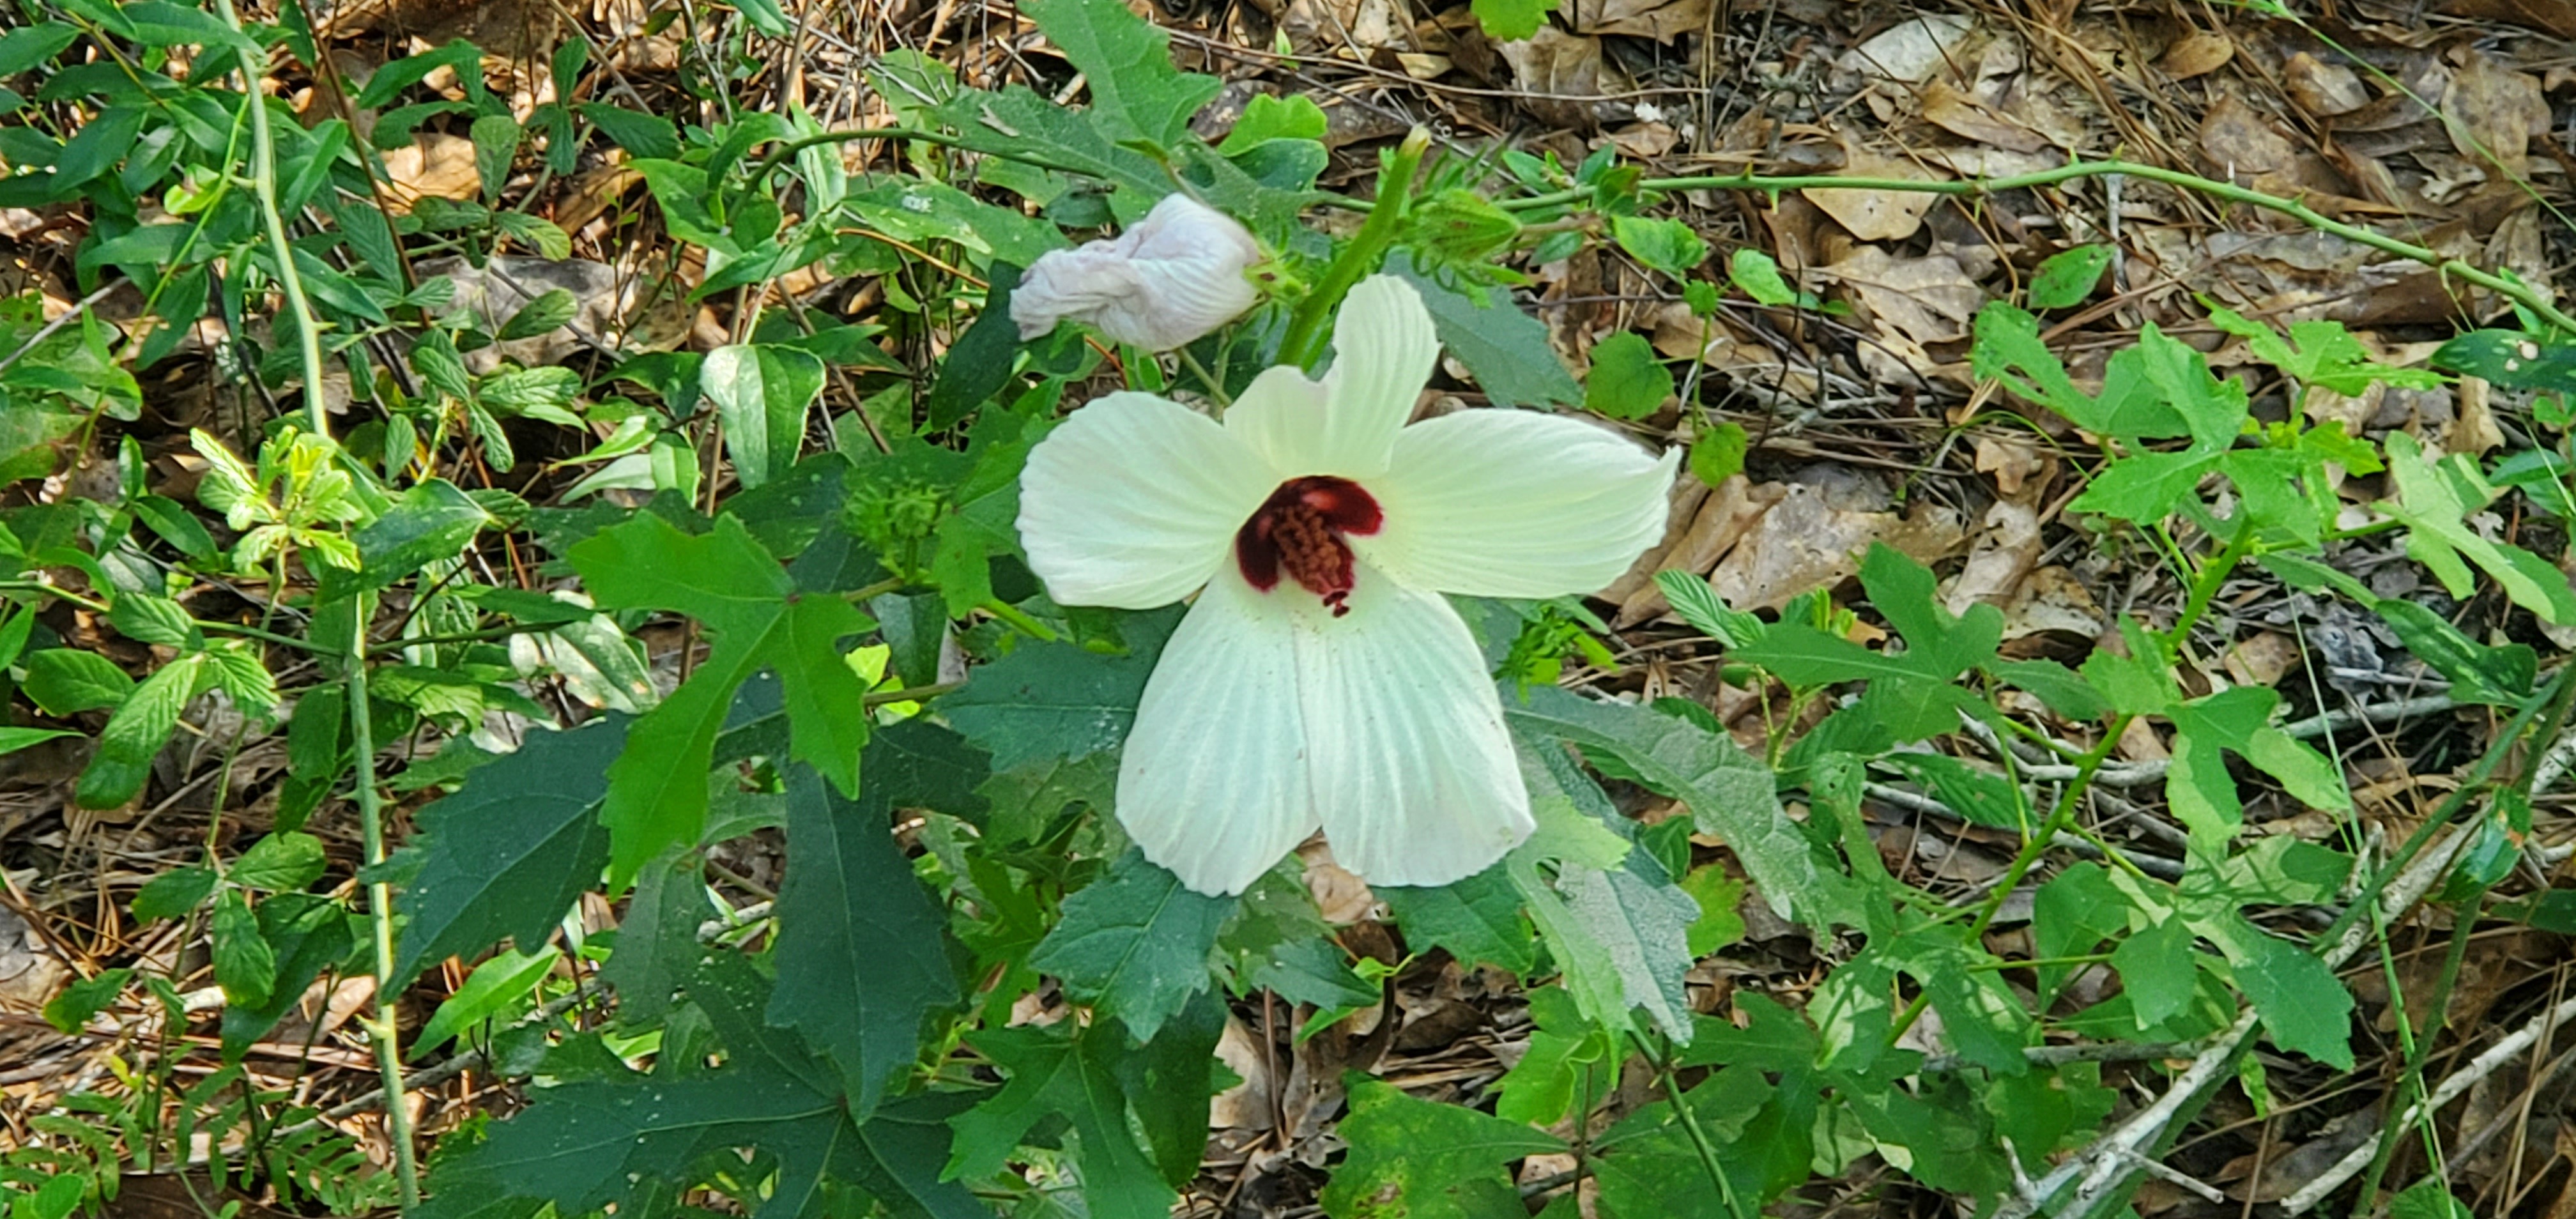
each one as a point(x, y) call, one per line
point(1321, 680)
point(1170, 278)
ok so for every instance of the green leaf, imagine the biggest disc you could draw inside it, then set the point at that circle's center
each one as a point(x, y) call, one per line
point(1136, 93)
point(67, 681)
point(1136, 943)
point(2157, 971)
point(2479, 673)
point(1627, 381)
point(919, 764)
point(1980, 796)
point(1759, 275)
point(862, 951)
point(1980, 1015)
point(551, 309)
point(496, 145)
point(507, 854)
point(501, 984)
point(1729, 793)
point(173, 893)
point(148, 619)
point(641, 135)
point(1717, 454)
point(1478, 920)
point(14, 739)
point(1698, 605)
point(762, 392)
point(722, 578)
point(433, 520)
point(1644, 927)
point(1668, 246)
point(135, 734)
point(827, 712)
point(1563, 1047)
point(1511, 20)
point(1059, 701)
point(1054, 1071)
point(1505, 349)
point(2068, 276)
point(245, 965)
point(280, 863)
point(2427, 1199)
point(2511, 360)
point(72, 1008)
point(2304, 1007)
point(2321, 354)
point(1426, 1161)
point(2435, 498)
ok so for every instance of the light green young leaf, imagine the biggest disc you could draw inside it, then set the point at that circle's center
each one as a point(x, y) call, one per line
point(498, 986)
point(762, 392)
point(1668, 246)
point(2068, 276)
point(2435, 498)
point(1627, 381)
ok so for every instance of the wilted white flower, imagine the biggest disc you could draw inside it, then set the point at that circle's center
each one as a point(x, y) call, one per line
point(1321, 679)
point(1173, 276)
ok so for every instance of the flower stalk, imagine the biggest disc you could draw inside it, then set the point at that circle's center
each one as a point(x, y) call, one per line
point(1306, 330)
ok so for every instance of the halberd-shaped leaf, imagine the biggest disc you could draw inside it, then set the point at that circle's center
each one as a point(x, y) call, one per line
point(511, 850)
point(862, 950)
point(1136, 943)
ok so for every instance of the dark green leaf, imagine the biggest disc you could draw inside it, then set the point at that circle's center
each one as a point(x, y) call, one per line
point(827, 714)
point(2068, 276)
point(511, 850)
point(245, 964)
point(2481, 673)
point(71, 1009)
point(919, 764)
point(1053, 1072)
point(1059, 701)
point(862, 950)
point(979, 364)
point(1505, 349)
point(173, 893)
point(1424, 1160)
point(1477, 919)
point(2511, 359)
point(1136, 943)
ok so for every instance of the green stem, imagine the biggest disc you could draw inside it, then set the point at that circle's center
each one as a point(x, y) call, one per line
point(1020, 621)
point(263, 177)
point(2521, 294)
point(380, 912)
point(1700, 1142)
point(1308, 328)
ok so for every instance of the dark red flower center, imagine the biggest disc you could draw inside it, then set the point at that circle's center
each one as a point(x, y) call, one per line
point(1298, 531)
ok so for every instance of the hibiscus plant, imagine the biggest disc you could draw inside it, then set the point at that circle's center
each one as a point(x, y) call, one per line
point(913, 766)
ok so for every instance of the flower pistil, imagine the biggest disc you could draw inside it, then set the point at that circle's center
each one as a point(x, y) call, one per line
point(1299, 530)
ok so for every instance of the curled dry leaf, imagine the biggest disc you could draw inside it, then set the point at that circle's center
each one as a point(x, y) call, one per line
point(1723, 517)
point(2493, 111)
point(2006, 548)
point(2323, 89)
point(1911, 50)
point(2198, 53)
point(1929, 299)
point(1872, 214)
point(1803, 543)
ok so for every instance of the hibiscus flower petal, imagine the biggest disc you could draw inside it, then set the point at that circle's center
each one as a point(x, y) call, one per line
point(1415, 779)
point(1133, 502)
point(1212, 784)
point(1506, 503)
point(1383, 352)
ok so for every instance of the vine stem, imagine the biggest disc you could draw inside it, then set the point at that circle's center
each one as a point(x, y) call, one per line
point(2522, 294)
point(380, 913)
point(1700, 1142)
point(263, 180)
